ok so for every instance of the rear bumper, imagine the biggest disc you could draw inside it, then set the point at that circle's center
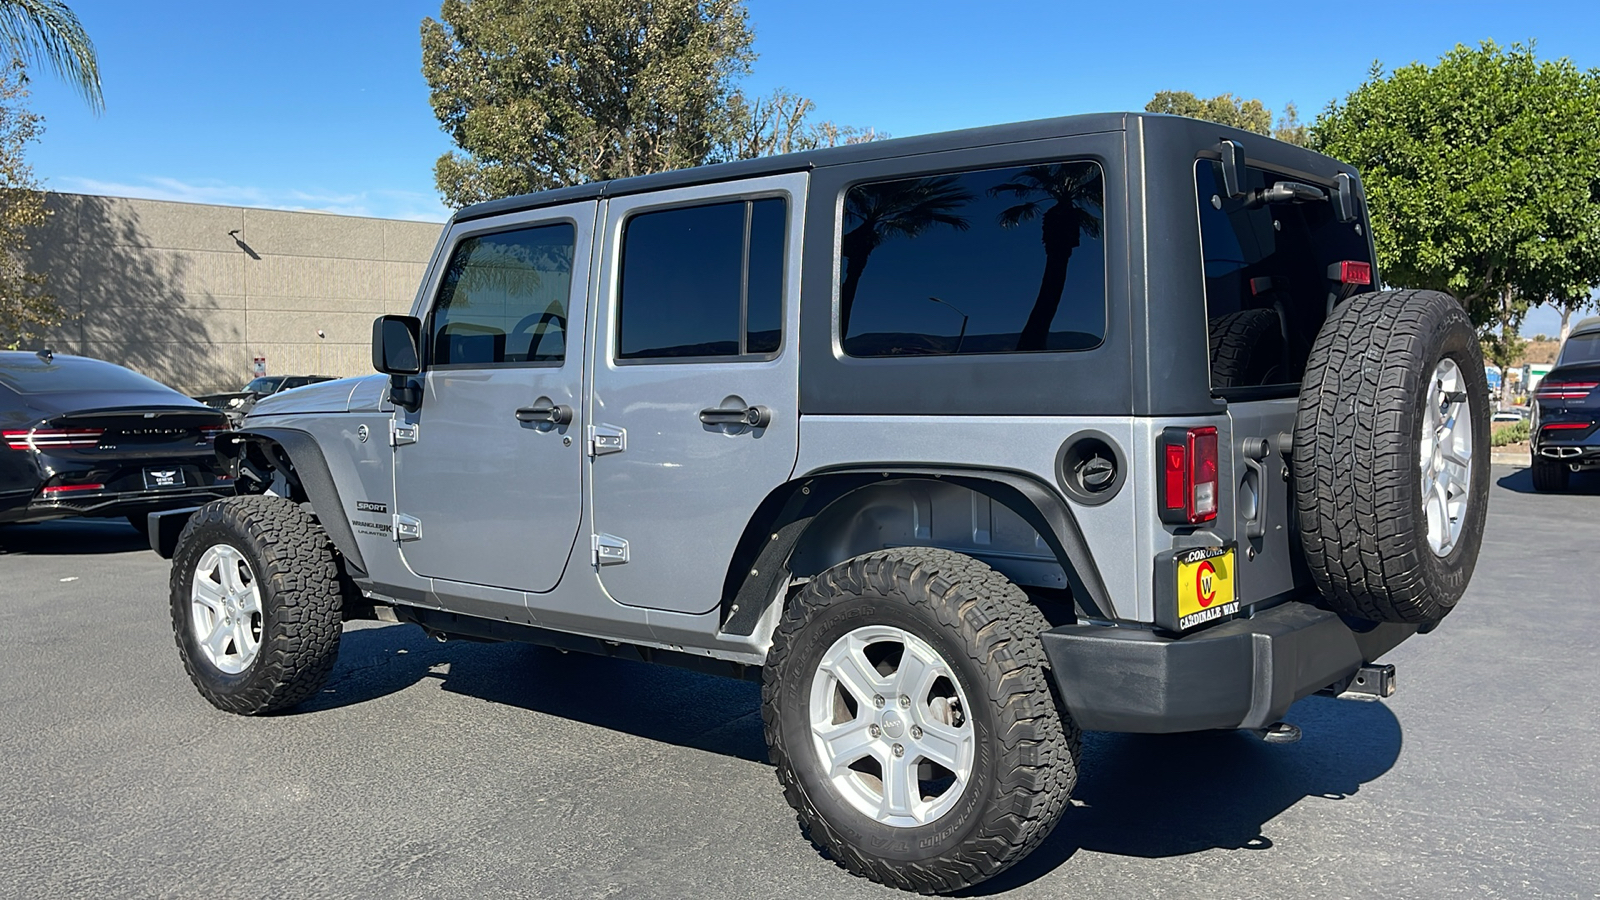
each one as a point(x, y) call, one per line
point(1244, 673)
point(109, 504)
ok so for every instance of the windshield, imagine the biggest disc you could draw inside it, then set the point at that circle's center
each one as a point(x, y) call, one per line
point(263, 385)
point(1266, 271)
point(27, 373)
point(1581, 348)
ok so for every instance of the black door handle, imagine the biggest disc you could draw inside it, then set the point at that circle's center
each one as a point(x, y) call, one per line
point(560, 414)
point(753, 417)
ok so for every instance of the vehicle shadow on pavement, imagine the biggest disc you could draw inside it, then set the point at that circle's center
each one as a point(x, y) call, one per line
point(1138, 795)
point(1146, 795)
point(655, 702)
point(72, 537)
point(1521, 481)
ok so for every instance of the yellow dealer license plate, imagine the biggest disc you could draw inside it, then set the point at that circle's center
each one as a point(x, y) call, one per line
point(1205, 586)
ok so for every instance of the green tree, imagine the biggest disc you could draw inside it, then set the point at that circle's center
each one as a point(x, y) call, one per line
point(1482, 176)
point(873, 213)
point(1236, 112)
point(45, 32)
point(25, 308)
point(1073, 192)
point(543, 94)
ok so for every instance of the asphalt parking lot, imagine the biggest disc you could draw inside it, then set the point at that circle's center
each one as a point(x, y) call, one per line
point(467, 770)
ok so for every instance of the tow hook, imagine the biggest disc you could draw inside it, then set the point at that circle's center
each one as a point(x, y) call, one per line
point(1277, 733)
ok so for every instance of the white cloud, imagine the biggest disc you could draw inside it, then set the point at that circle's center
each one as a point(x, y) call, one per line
point(385, 204)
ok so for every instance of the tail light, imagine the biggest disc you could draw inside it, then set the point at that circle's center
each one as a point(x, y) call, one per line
point(1565, 390)
point(54, 438)
point(208, 433)
point(1351, 271)
point(55, 489)
point(1189, 475)
point(1565, 426)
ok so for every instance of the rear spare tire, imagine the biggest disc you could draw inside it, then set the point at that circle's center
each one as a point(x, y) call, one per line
point(1246, 349)
point(1391, 467)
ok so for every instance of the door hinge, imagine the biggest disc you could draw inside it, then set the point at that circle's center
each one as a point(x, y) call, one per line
point(608, 549)
point(402, 434)
point(604, 439)
point(406, 528)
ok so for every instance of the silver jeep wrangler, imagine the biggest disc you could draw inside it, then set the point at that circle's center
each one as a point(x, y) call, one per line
point(960, 444)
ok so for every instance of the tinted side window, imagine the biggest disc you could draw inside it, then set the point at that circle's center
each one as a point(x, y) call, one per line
point(702, 281)
point(503, 298)
point(1267, 285)
point(995, 261)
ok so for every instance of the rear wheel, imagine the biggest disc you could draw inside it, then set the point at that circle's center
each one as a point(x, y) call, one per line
point(1550, 476)
point(911, 722)
point(256, 605)
point(1391, 442)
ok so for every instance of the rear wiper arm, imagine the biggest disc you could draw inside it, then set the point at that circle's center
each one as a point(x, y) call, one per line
point(1286, 192)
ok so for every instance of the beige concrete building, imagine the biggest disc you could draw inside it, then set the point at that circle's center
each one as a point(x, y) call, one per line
point(193, 295)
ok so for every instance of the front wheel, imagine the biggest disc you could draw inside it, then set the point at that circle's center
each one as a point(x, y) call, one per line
point(911, 723)
point(256, 605)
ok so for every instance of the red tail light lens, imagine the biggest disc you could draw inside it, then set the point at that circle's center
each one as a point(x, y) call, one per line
point(1565, 390)
point(210, 432)
point(1177, 470)
point(1203, 474)
point(1189, 475)
point(1566, 426)
point(53, 438)
point(69, 488)
point(1355, 272)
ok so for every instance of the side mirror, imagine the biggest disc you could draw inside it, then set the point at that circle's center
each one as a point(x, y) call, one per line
point(1233, 179)
point(395, 340)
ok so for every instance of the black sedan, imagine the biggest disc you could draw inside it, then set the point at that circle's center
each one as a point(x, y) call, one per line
point(1566, 420)
point(82, 437)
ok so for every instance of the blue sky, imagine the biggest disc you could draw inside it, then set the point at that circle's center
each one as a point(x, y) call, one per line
point(304, 105)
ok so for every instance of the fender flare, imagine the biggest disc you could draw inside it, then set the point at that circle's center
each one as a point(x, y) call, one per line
point(315, 478)
point(760, 562)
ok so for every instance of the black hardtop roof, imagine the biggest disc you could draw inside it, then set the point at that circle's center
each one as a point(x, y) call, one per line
point(1177, 128)
point(989, 135)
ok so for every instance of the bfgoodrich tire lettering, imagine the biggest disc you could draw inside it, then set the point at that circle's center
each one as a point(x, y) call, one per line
point(1024, 762)
point(1359, 485)
point(292, 566)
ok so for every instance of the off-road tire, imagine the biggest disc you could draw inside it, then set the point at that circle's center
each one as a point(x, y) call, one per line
point(1550, 476)
point(1027, 748)
point(294, 567)
point(1245, 347)
point(1357, 476)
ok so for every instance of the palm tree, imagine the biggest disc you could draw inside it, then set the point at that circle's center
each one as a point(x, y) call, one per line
point(874, 213)
point(1075, 196)
point(46, 31)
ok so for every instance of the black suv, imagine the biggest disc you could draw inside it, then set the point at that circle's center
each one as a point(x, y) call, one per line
point(1567, 411)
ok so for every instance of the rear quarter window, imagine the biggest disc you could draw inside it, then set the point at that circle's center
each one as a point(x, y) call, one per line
point(994, 261)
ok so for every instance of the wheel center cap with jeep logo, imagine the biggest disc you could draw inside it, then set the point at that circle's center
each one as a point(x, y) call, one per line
point(892, 726)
